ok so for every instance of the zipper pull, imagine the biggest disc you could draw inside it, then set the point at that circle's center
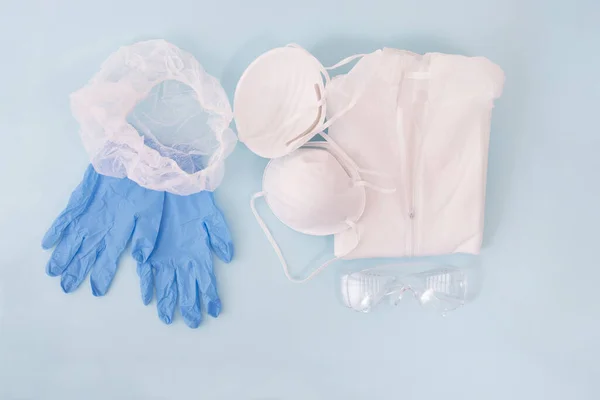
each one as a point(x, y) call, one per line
point(411, 214)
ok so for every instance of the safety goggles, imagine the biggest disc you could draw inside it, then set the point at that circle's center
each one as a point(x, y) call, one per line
point(440, 289)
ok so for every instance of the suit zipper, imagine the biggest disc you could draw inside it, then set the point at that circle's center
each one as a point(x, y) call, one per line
point(417, 119)
point(404, 130)
point(421, 133)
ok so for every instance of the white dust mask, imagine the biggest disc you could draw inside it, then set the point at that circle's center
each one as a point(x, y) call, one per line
point(279, 102)
point(315, 190)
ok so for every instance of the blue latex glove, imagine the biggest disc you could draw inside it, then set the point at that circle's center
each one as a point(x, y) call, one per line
point(181, 264)
point(92, 232)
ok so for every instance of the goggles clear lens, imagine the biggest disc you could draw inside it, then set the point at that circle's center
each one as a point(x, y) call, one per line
point(440, 289)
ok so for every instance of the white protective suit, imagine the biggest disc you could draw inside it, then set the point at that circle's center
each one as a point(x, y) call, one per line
point(424, 120)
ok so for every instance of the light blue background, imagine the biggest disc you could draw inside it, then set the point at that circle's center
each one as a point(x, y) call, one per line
point(532, 334)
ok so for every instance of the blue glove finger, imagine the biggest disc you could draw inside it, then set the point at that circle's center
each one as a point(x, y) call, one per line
point(147, 227)
point(146, 282)
point(105, 267)
point(208, 287)
point(63, 253)
point(219, 235)
point(78, 203)
point(79, 267)
point(189, 303)
point(166, 291)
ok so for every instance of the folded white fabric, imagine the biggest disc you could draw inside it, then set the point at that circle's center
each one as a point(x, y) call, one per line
point(424, 121)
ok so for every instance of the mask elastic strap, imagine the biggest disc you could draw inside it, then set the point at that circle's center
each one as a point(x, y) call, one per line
point(324, 70)
point(275, 246)
point(374, 173)
point(345, 61)
point(353, 100)
point(322, 99)
point(352, 164)
point(375, 187)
